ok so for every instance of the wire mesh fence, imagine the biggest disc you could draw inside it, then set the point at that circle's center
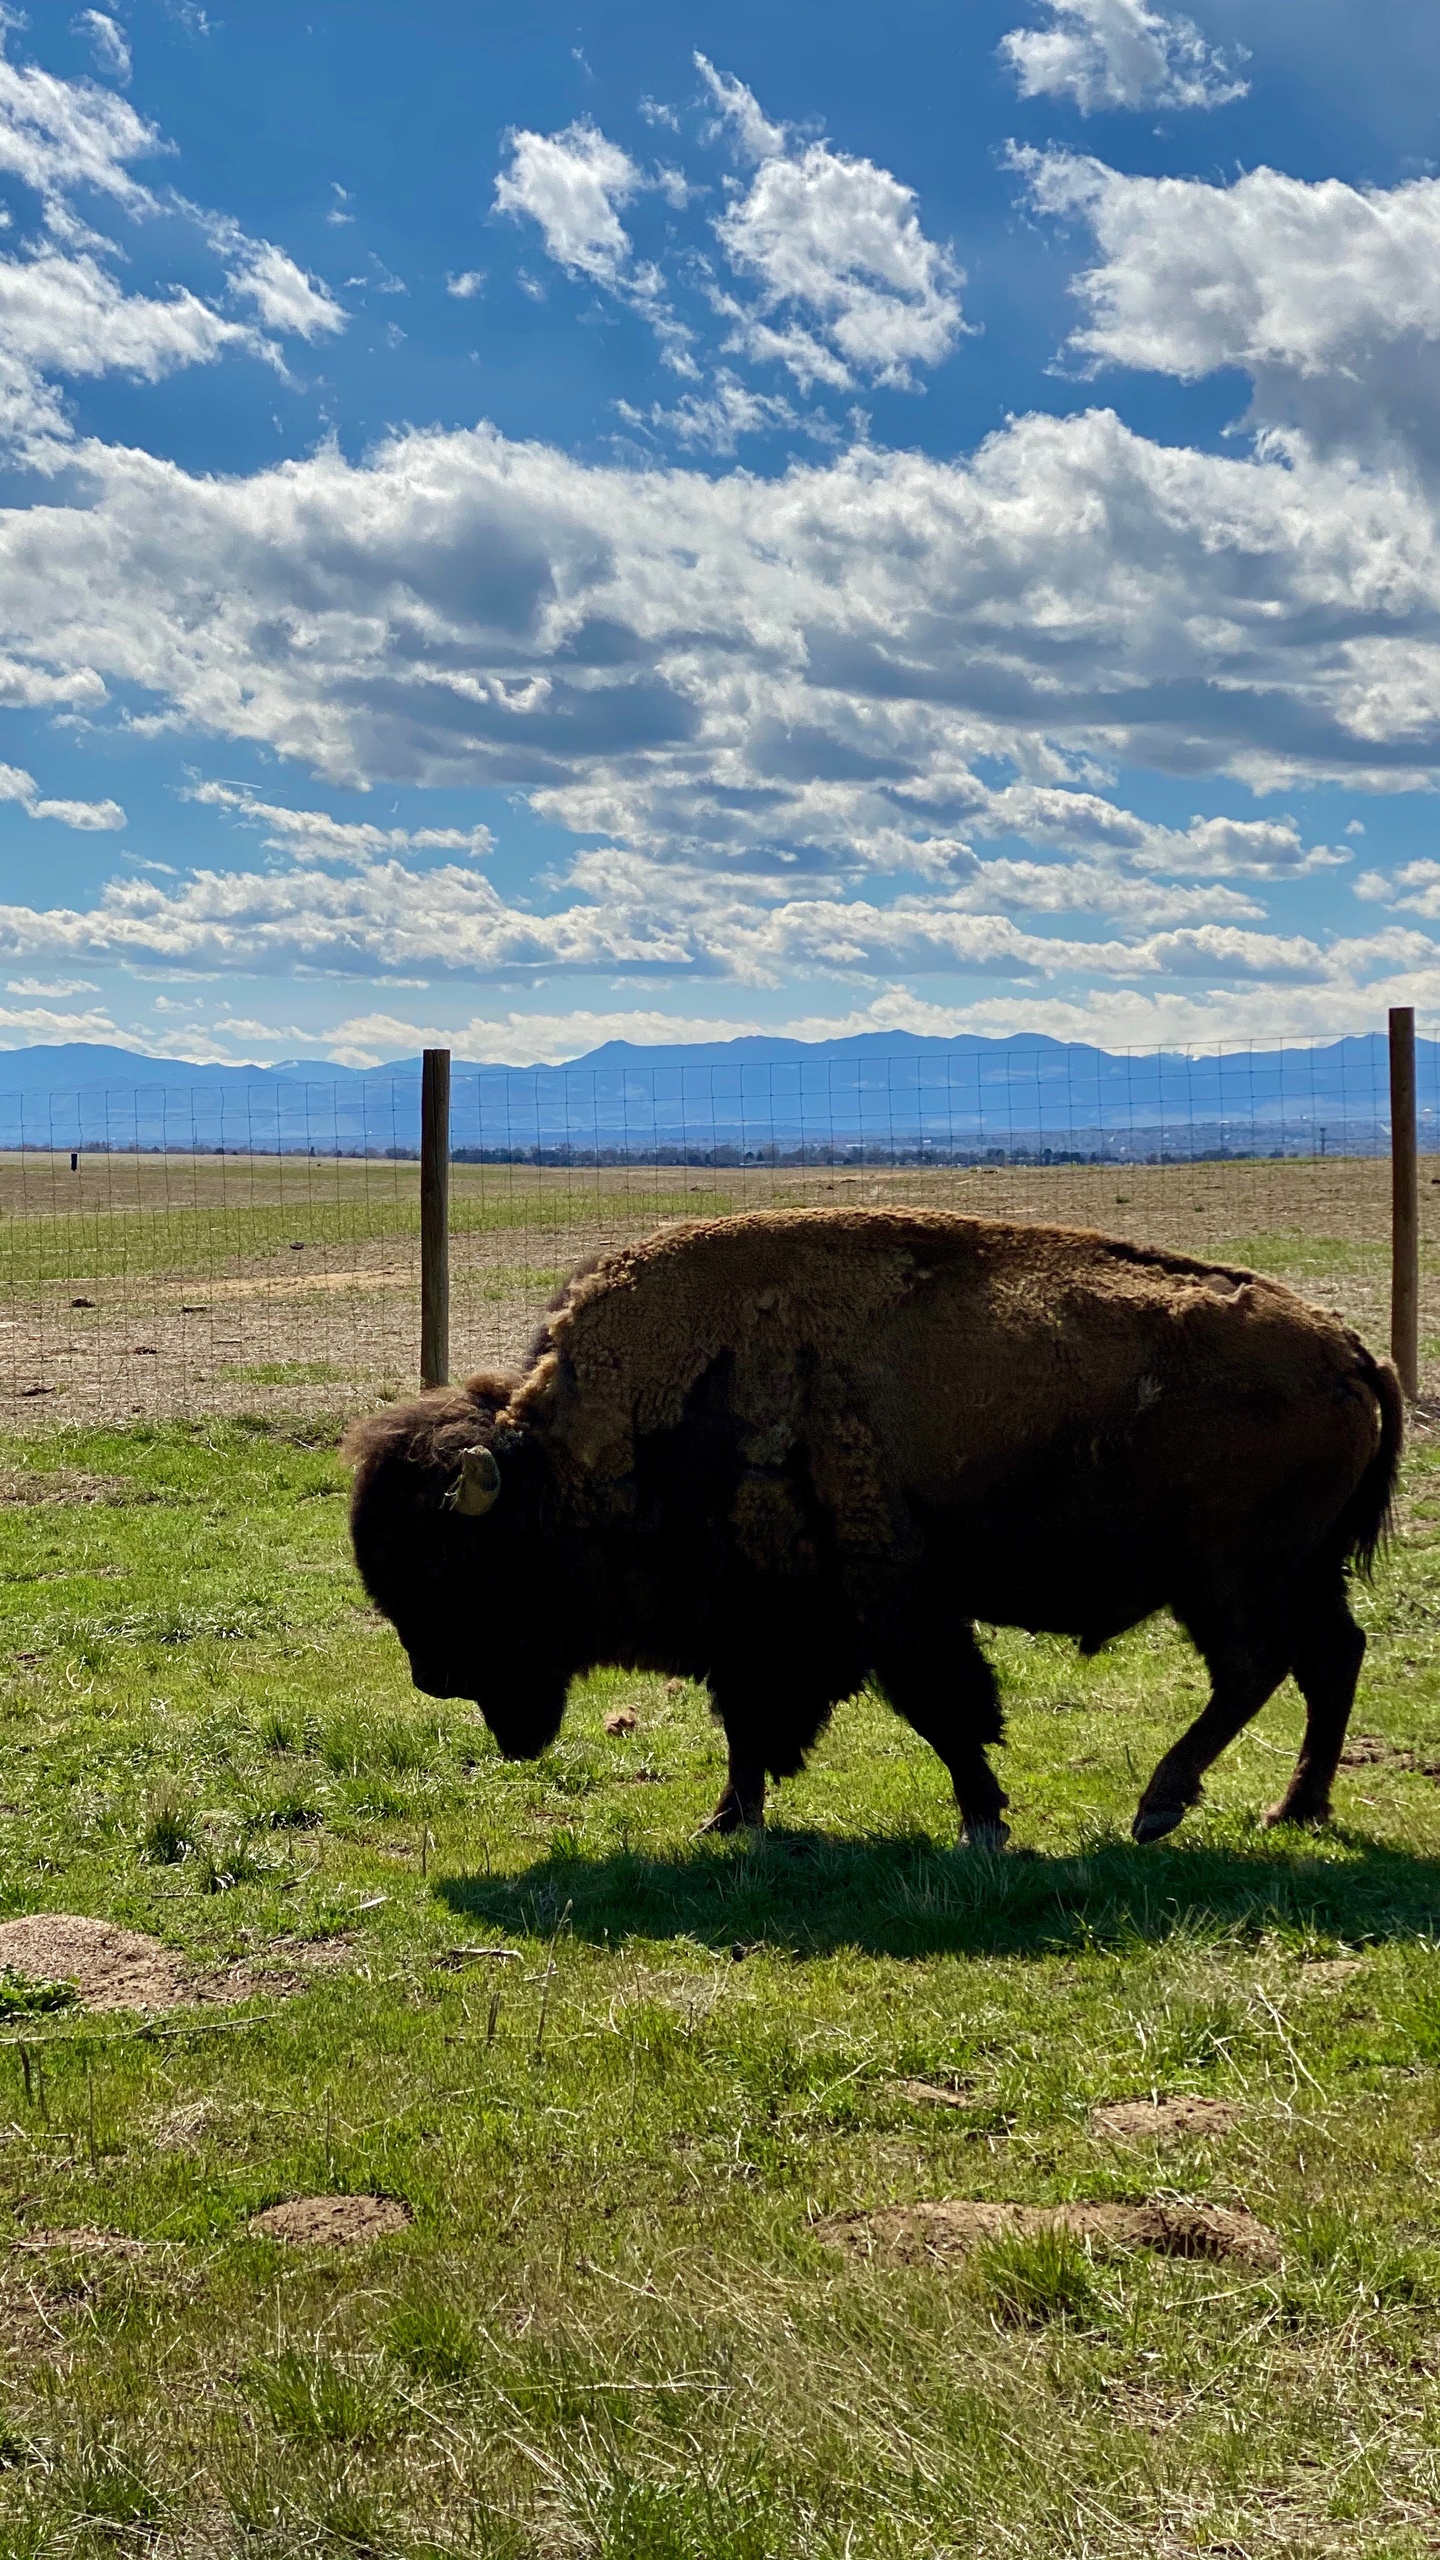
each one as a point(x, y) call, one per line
point(173, 1252)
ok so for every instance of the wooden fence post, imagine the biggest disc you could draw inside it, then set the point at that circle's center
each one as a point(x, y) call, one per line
point(435, 1219)
point(1404, 1203)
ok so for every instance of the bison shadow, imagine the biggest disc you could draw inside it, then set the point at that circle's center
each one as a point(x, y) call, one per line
point(804, 1893)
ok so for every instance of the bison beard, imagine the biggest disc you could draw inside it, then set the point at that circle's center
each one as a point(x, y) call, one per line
point(781, 1454)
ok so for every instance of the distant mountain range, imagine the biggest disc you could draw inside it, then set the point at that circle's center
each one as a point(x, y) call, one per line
point(888, 1093)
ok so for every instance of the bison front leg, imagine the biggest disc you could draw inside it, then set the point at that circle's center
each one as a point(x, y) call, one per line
point(742, 1798)
point(949, 1695)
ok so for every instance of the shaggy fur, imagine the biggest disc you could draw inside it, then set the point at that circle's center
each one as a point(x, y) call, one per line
point(783, 1453)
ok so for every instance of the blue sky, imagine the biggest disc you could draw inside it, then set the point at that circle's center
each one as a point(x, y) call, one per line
point(525, 527)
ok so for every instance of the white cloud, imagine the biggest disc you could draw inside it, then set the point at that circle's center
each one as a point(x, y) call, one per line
point(315, 835)
point(1119, 53)
point(570, 184)
point(112, 50)
point(625, 913)
point(54, 988)
point(58, 136)
point(25, 1024)
point(836, 248)
point(465, 287)
point(89, 816)
point(61, 311)
point(287, 299)
point(1327, 295)
point(67, 315)
point(1269, 271)
point(715, 420)
point(799, 669)
point(738, 109)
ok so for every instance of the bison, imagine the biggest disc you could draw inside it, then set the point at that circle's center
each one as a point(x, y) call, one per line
point(785, 1452)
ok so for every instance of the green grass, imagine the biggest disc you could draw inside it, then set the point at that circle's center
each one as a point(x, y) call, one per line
point(612, 2327)
point(283, 1373)
point(150, 1236)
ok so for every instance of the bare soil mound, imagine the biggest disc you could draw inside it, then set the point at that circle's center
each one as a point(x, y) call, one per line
point(111, 1968)
point(61, 1484)
point(919, 2233)
point(328, 2222)
point(1179, 2118)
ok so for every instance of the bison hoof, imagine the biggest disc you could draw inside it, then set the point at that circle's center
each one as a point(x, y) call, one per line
point(1311, 1817)
point(729, 1816)
point(1154, 1820)
point(985, 1835)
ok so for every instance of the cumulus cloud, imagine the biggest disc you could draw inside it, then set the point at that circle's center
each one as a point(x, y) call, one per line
point(849, 286)
point(1327, 295)
point(88, 816)
point(799, 670)
point(1119, 53)
point(570, 184)
point(1414, 888)
point(622, 912)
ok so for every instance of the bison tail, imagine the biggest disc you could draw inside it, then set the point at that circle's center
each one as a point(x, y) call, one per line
point(1365, 1522)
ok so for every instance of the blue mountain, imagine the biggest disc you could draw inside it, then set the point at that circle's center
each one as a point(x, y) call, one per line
point(884, 1093)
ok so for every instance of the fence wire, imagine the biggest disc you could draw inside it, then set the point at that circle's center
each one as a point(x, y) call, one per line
point(174, 1252)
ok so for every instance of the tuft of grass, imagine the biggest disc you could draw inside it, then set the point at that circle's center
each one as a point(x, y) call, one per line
point(313, 2396)
point(112, 2483)
point(435, 2338)
point(1026, 2279)
point(170, 1829)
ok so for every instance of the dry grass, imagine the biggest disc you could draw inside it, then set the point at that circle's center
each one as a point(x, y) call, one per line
point(168, 1286)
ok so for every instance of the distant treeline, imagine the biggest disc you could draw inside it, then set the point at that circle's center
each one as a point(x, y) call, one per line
point(1109, 1150)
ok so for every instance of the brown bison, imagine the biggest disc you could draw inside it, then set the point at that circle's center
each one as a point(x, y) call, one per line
point(785, 1452)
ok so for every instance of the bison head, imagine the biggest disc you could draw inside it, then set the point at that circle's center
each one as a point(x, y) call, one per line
point(452, 1518)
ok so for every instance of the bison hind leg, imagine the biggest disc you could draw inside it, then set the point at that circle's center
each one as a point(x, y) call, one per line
point(946, 1689)
point(1328, 1651)
point(1247, 1649)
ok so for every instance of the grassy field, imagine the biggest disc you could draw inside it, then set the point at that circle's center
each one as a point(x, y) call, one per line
point(621, 2082)
point(169, 1286)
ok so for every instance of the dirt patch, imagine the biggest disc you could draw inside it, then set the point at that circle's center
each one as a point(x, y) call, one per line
point(330, 2222)
point(1333, 1969)
point(84, 2241)
point(1180, 2118)
point(111, 1968)
point(929, 2093)
point(917, 2234)
point(1372, 1751)
point(61, 1484)
point(621, 1720)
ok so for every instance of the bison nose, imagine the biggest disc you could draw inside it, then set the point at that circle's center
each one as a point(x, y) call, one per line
point(435, 1682)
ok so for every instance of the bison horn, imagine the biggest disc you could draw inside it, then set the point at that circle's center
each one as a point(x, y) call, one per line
point(477, 1487)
